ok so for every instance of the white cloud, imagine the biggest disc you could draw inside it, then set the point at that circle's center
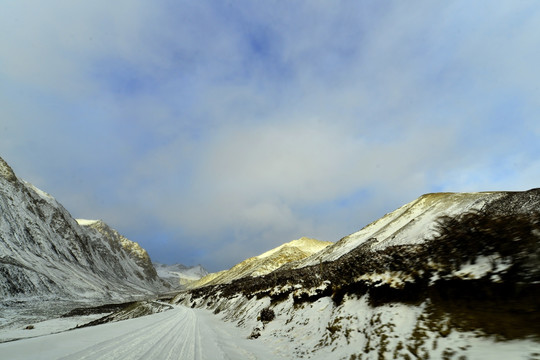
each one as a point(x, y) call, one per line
point(232, 125)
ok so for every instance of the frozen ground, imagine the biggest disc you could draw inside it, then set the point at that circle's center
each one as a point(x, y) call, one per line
point(181, 333)
point(17, 314)
point(46, 327)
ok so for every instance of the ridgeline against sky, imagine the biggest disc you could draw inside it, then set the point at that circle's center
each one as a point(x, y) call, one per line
point(212, 131)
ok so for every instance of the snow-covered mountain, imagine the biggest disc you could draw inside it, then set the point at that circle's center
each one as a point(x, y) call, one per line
point(265, 263)
point(410, 224)
point(179, 275)
point(447, 276)
point(45, 253)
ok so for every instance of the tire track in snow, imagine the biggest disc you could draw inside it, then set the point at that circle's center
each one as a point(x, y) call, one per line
point(184, 334)
point(170, 340)
point(134, 344)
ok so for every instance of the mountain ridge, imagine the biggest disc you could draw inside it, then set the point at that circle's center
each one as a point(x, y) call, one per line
point(46, 253)
point(411, 223)
point(266, 262)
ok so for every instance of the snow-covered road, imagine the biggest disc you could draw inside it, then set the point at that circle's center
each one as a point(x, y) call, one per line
point(181, 333)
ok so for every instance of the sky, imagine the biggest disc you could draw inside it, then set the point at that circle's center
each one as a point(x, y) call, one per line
point(212, 131)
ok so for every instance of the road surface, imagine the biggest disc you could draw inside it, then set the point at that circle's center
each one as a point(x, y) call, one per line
point(181, 333)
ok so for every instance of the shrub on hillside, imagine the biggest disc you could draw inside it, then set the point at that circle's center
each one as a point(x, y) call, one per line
point(514, 238)
point(267, 315)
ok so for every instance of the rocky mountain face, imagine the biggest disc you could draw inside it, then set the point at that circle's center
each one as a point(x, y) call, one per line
point(265, 263)
point(447, 276)
point(132, 258)
point(45, 253)
point(178, 275)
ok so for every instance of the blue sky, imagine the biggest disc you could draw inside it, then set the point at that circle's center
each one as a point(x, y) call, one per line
point(211, 131)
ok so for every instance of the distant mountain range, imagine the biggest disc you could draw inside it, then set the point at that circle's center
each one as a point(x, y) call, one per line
point(179, 275)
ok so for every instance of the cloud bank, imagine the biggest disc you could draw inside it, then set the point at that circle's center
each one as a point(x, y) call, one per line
point(212, 131)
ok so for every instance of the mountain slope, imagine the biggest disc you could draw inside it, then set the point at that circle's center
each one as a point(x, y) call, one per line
point(464, 284)
point(131, 258)
point(266, 262)
point(44, 252)
point(414, 222)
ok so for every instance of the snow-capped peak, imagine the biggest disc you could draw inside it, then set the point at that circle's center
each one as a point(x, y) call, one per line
point(304, 244)
point(130, 246)
point(266, 262)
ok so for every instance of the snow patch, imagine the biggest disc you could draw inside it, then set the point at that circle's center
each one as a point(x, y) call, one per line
point(392, 278)
point(482, 266)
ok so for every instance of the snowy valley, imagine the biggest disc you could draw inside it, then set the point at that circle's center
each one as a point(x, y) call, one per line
point(447, 276)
